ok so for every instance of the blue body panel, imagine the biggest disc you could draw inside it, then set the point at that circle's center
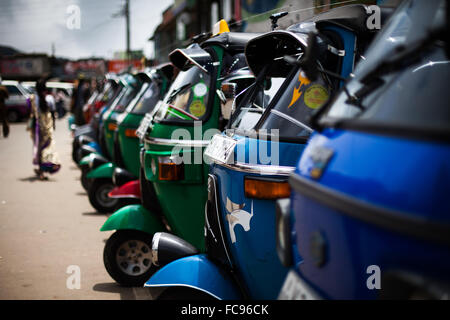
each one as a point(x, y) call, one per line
point(397, 174)
point(196, 272)
point(253, 251)
point(96, 146)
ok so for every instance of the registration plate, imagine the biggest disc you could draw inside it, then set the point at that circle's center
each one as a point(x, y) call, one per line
point(220, 148)
point(143, 126)
point(294, 288)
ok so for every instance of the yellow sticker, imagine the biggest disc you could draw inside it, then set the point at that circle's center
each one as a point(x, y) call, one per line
point(296, 93)
point(315, 96)
point(197, 108)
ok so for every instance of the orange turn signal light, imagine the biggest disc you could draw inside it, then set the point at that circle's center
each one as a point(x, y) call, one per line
point(130, 133)
point(170, 171)
point(112, 126)
point(266, 188)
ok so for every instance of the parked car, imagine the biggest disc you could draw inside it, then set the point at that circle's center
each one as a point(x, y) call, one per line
point(18, 104)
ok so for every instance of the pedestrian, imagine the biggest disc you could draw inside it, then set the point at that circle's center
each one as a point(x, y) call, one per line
point(59, 98)
point(3, 116)
point(42, 125)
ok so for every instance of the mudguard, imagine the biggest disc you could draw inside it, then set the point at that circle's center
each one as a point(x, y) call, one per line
point(91, 147)
point(104, 171)
point(134, 217)
point(86, 160)
point(196, 272)
point(130, 189)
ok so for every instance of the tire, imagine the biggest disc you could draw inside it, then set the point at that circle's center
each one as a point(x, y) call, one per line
point(85, 182)
point(98, 195)
point(118, 254)
point(184, 293)
point(13, 116)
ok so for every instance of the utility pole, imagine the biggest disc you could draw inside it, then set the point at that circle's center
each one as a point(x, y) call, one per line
point(125, 12)
point(127, 19)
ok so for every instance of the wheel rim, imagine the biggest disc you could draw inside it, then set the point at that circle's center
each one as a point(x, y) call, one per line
point(102, 196)
point(13, 116)
point(134, 257)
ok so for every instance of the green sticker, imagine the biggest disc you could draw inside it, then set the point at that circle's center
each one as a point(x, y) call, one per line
point(315, 96)
point(197, 108)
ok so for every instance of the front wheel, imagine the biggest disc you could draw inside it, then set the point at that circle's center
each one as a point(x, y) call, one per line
point(85, 182)
point(13, 116)
point(128, 257)
point(98, 195)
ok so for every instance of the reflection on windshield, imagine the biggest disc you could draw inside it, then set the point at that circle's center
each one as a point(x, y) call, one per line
point(412, 22)
point(187, 98)
point(126, 99)
point(148, 100)
point(250, 113)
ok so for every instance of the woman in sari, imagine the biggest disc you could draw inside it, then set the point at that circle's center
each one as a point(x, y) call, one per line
point(42, 124)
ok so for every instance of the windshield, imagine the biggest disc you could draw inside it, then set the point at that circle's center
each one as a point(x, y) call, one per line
point(290, 113)
point(107, 92)
point(415, 97)
point(148, 100)
point(129, 94)
point(411, 23)
point(251, 110)
point(187, 98)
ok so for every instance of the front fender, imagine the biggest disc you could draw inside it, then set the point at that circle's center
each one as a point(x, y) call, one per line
point(104, 171)
point(86, 159)
point(134, 217)
point(196, 272)
point(130, 189)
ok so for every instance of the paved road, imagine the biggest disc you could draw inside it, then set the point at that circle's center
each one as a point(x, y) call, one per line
point(47, 226)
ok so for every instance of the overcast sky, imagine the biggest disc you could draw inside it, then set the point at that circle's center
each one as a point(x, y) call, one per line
point(32, 26)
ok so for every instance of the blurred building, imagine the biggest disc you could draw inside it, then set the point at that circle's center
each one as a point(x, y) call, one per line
point(185, 19)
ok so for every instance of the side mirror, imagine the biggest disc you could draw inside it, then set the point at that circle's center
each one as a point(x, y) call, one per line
point(308, 60)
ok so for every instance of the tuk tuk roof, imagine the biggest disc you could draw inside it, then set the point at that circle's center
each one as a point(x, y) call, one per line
point(231, 41)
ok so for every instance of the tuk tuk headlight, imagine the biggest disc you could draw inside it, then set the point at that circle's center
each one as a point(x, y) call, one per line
point(167, 247)
point(283, 231)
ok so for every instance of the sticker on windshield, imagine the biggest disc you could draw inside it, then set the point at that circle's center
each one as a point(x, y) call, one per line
point(200, 90)
point(197, 108)
point(297, 92)
point(315, 96)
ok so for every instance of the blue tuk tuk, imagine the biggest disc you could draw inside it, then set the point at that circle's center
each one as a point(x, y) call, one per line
point(369, 215)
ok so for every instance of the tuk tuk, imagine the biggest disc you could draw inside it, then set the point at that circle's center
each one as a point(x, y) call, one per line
point(173, 172)
point(368, 217)
point(88, 134)
point(125, 163)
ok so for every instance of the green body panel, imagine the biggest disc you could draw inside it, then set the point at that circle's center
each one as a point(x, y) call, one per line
point(104, 171)
point(109, 134)
point(129, 146)
point(183, 202)
point(184, 209)
point(134, 217)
